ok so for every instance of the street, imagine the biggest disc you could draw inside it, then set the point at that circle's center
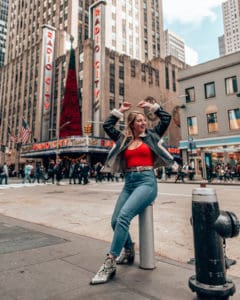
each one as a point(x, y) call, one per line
point(87, 209)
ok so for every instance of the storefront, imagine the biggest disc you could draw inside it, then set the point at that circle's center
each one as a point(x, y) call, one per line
point(206, 154)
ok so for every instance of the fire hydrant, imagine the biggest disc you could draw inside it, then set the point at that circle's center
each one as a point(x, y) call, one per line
point(210, 227)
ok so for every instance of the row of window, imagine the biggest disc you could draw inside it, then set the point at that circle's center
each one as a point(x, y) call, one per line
point(212, 122)
point(231, 87)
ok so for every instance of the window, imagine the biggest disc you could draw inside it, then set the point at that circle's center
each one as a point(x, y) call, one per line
point(133, 69)
point(209, 90)
point(121, 72)
point(121, 89)
point(212, 122)
point(192, 125)
point(174, 78)
point(167, 77)
point(112, 85)
point(234, 118)
point(111, 104)
point(190, 95)
point(231, 85)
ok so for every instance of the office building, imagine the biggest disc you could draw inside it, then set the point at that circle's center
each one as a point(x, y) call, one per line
point(3, 29)
point(174, 45)
point(231, 21)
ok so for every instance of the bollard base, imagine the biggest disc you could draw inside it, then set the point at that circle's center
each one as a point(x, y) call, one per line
point(220, 292)
point(147, 268)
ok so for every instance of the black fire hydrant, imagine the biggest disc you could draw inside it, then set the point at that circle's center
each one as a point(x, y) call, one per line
point(210, 228)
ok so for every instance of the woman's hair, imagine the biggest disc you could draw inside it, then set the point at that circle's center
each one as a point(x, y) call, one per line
point(128, 132)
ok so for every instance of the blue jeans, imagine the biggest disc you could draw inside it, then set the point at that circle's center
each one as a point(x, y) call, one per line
point(139, 191)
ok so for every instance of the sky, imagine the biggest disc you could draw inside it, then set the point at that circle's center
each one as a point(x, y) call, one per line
point(198, 23)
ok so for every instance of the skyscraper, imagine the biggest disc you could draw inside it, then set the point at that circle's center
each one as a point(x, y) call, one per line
point(135, 28)
point(3, 29)
point(174, 45)
point(231, 20)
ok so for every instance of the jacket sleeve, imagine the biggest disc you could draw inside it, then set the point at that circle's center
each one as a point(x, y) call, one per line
point(165, 119)
point(109, 125)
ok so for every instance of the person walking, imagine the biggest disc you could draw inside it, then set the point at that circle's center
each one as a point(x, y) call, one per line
point(50, 171)
point(72, 172)
point(137, 152)
point(27, 173)
point(59, 168)
point(4, 173)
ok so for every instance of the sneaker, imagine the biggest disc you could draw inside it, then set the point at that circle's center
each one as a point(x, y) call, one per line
point(127, 256)
point(106, 272)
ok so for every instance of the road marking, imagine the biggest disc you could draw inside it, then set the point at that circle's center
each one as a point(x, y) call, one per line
point(159, 193)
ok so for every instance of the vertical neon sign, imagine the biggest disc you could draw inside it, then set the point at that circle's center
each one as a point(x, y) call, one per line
point(97, 33)
point(48, 42)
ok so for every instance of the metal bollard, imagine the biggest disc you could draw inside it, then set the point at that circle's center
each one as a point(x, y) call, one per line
point(146, 239)
point(210, 227)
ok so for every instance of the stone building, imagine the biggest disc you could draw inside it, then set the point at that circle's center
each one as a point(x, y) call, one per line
point(210, 120)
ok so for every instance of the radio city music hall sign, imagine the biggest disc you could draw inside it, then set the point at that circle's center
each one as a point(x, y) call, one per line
point(97, 52)
point(48, 57)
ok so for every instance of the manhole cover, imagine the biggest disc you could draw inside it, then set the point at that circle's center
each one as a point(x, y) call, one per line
point(16, 238)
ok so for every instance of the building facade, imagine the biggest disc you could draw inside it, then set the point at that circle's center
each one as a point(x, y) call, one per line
point(32, 82)
point(231, 21)
point(174, 45)
point(3, 29)
point(210, 118)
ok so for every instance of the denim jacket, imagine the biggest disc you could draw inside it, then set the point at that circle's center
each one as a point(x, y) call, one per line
point(152, 137)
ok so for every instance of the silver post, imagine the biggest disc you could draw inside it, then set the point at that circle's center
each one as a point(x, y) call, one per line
point(146, 239)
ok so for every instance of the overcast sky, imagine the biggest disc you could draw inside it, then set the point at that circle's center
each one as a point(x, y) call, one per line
point(198, 22)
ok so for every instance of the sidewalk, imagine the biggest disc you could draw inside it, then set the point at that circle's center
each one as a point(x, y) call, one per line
point(198, 180)
point(42, 263)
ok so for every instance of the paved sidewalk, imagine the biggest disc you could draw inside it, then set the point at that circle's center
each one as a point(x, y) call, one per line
point(42, 263)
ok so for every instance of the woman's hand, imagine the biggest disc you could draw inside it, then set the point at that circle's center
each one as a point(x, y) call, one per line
point(125, 107)
point(145, 104)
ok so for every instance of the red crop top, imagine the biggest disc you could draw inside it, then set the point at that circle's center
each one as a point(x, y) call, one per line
point(141, 156)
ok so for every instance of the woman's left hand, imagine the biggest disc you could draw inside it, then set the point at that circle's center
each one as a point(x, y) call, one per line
point(145, 104)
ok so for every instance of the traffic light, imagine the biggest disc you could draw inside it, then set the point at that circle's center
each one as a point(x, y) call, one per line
point(88, 129)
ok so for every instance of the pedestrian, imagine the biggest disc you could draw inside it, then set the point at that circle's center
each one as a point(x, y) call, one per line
point(85, 172)
point(98, 172)
point(5, 172)
point(39, 173)
point(50, 171)
point(28, 168)
point(137, 152)
point(72, 172)
point(180, 174)
point(58, 169)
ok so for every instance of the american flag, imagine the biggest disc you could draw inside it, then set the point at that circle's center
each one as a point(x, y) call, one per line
point(24, 132)
point(12, 137)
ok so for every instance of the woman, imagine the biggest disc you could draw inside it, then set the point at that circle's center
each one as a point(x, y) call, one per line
point(136, 153)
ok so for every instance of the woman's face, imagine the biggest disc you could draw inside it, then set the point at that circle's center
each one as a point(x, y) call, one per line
point(139, 125)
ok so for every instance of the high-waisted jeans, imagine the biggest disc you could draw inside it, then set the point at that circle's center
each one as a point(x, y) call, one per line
point(139, 191)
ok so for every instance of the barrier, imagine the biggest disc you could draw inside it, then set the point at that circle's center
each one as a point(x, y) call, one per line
point(146, 239)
